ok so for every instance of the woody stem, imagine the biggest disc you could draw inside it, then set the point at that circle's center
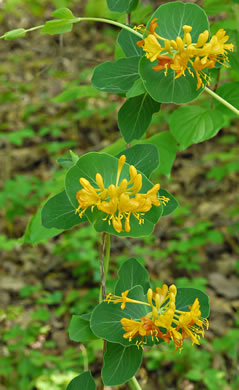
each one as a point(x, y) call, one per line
point(221, 100)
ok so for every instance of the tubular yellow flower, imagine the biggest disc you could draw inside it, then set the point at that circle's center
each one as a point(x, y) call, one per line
point(182, 54)
point(120, 200)
point(164, 320)
point(152, 47)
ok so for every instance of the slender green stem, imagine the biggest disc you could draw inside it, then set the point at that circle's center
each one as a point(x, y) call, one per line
point(104, 264)
point(221, 100)
point(34, 28)
point(112, 22)
point(134, 384)
point(107, 254)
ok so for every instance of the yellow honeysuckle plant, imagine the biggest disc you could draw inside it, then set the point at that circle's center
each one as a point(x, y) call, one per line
point(119, 199)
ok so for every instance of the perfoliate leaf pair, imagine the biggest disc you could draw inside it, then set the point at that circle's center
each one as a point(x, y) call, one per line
point(112, 195)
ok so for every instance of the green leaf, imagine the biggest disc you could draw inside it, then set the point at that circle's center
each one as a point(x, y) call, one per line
point(136, 89)
point(171, 19)
point(63, 25)
point(174, 15)
point(88, 166)
point(122, 5)
point(233, 57)
point(131, 274)
point(229, 92)
point(59, 213)
point(116, 77)
point(186, 296)
point(105, 320)
point(63, 13)
point(128, 43)
point(167, 148)
point(67, 162)
point(74, 157)
point(57, 27)
point(194, 124)
point(14, 34)
point(83, 381)
point(144, 157)
point(120, 363)
point(36, 232)
point(79, 329)
point(171, 205)
point(73, 93)
point(135, 116)
point(167, 89)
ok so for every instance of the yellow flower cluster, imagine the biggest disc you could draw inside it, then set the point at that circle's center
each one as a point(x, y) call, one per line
point(163, 321)
point(182, 54)
point(119, 200)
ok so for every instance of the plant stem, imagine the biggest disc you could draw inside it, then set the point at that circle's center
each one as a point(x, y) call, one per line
point(221, 100)
point(102, 268)
point(111, 22)
point(134, 384)
point(128, 18)
point(34, 28)
point(107, 255)
point(104, 264)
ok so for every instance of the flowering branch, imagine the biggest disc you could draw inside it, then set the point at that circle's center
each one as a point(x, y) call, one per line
point(21, 32)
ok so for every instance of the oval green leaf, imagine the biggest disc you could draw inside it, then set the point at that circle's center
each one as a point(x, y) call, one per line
point(122, 5)
point(135, 115)
point(131, 274)
point(63, 13)
point(193, 124)
point(116, 77)
point(128, 43)
point(144, 157)
point(14, 34)
point(174, 15)
point(120, 363)
point(36, 232)
point(53, 27)
point(167, 149)
point(186, 296)
point(171, 205)
point(59, 213)
point(136, 89)
point(83, 381)
point(79, 329)
point(229, 92)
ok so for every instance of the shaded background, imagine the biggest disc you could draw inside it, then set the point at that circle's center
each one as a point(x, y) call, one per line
point(42, 285)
